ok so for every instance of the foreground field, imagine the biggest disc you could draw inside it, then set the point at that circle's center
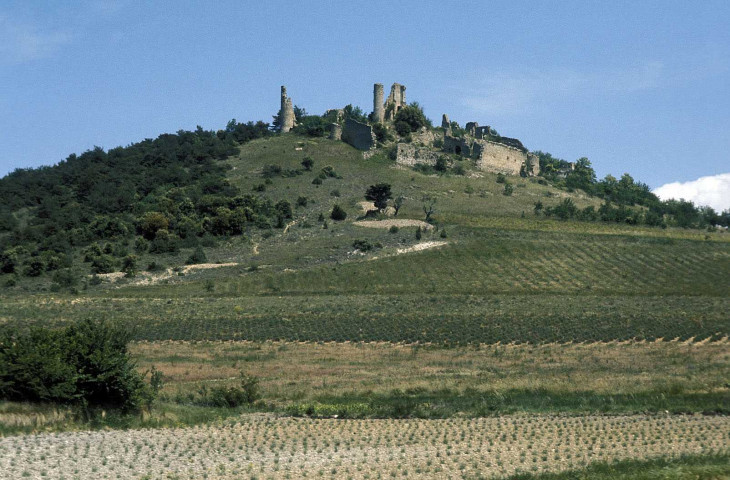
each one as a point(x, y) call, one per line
point(260, 446)
point(385, 380)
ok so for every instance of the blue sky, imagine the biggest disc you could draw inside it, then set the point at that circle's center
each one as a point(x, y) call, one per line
point(638, 87)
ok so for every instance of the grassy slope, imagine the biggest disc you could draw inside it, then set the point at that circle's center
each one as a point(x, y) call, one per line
point(502, 278)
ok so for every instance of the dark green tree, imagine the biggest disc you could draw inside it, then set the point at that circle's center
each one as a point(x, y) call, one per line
point(379, 194)
point(338, 213)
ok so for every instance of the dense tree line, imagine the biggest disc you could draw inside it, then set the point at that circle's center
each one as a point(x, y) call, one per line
point(168, 192)
point(623, 197)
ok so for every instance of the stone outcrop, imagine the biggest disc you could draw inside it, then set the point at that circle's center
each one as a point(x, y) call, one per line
point(409, 155)
point(286, 113)
point(359, 135)
point(396, 100)
point(378, 105)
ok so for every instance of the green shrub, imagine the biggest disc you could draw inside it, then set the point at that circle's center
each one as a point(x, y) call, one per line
point(393, 229)
point(410, 119)
point(129, 264)
point(164, 242)
point(508, 189)
point(65, 278)
point(86, 363)
point(34, 268)
point(246, 393)
point(271, 171)
point(198, 256)
point(328, 172)
point(501, 178)
point(363, 245)
point(442, 164)
point(102, 264)
point(338, 213)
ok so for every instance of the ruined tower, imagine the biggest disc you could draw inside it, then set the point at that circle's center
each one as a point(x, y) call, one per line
point(446, 124)
point(396, 100)
point(286, 114)
point(378, 106)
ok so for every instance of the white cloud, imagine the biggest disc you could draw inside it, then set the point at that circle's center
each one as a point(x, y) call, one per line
point(520, 92)
point(21, 42)
point(713, 191)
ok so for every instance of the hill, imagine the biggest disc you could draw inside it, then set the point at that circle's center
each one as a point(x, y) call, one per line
point(484, 294)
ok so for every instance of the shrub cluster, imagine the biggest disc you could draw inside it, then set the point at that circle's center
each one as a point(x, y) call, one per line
point(85, 363)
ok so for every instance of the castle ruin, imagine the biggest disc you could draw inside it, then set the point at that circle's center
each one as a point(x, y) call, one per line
point(286, 113)
point(396, 100)
point(378, 105)
point(488, 150)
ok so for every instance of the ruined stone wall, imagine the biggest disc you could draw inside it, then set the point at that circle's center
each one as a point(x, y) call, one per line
point(286, 113)
point(497, 158)
point(409, 155)
point(482, 132)
point(359, 135)
point(378, 105)
point(396, 100)
point(457, 145)
point(335, 131)
point(533, 165)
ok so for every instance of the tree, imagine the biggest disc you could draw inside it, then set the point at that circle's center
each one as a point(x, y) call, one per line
point(411, 115)
point(398, 203)
point(86, 363)
point(149, 224)
point(583, 176)
point(338, 213)
point(379, 194)
point(308, 163)
point(428, 206)
point(198, 256)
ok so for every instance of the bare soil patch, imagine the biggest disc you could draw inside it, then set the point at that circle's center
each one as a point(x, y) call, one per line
point(393, 222)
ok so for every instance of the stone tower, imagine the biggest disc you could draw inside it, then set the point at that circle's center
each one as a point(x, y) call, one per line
point(286, 114)
point(446, 124)
point(396, 100)
point(378, 105)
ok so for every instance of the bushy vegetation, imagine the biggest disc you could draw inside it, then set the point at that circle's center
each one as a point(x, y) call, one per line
point(85, 363)
point(410, 118)
point(621, 196)
point(161, 195)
